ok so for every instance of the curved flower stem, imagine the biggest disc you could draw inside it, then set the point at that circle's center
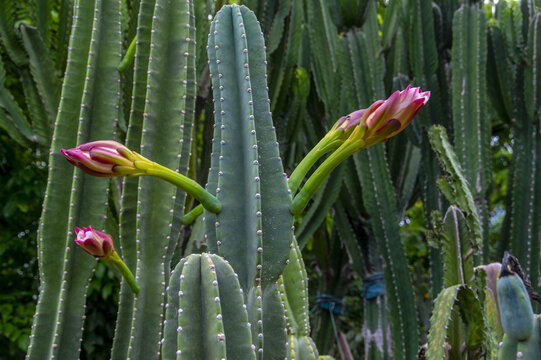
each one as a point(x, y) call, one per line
point(129, 56)
point(317, 178)
point(328, 143)
point(115, 259)
point(209, 201)
point(192, 215)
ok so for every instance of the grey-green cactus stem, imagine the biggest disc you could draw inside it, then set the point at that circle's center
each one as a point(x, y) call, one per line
point(73, 198)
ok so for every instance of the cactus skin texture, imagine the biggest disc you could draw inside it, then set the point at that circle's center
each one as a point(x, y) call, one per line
point(253, 231)
point(206, 317)
point(515, 308)
point(522, 339)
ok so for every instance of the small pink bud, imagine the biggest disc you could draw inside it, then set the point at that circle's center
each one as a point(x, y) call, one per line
point(104, 158)
point(94, 242)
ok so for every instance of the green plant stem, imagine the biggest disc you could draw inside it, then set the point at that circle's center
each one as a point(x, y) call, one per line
point(207, 200)
point(317, 178)
point(192, 215)
point(115, 259)
point(128, 57)
point(329, 142)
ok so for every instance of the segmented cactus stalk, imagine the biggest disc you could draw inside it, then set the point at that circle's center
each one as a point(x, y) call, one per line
point(253, 230)
point(206, 317)
point(88, 110)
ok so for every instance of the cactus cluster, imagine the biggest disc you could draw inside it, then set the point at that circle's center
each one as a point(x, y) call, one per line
point(178, 87)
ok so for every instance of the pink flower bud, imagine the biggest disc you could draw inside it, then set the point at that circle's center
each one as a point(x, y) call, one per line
point(385, 119)
point(94, 242)
point(104, 158)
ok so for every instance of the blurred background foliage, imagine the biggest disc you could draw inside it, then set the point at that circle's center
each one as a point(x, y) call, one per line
point(312, 47)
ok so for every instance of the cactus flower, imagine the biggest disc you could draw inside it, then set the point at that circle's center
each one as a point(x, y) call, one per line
point(100, 245)
point(107, 158)
point(104, 158)
point(94, 242)
point(384, 119)
point(352, 133)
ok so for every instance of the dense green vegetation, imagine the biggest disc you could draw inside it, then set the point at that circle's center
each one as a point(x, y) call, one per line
point(380, 221)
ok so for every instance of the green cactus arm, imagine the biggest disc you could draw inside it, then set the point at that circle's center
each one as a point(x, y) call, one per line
point(457, 250)
point(97, 120)
point(160, 141)
point(379, 199)
point(212, 321)
point(191, 310)
point(378, 194)
point(294, 289)
point(64, 277)
point(170, 325)
point(274, 325)
point(531, 348)
point(186, 151)
point(455, 186)
point(423, 56)
point(516, 313)
point(212, 181)
point(130, 192)
point(241, 94)
point(470, 123)
point(499, 86)
point(301, 348)
point(128, 57)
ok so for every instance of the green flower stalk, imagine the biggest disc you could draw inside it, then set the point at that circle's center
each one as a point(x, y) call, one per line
point(100, 245)
point(354, 132)
point(109, 158)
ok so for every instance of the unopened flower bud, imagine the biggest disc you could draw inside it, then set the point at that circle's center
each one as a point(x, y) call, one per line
point(94, 242)
point(104, 158)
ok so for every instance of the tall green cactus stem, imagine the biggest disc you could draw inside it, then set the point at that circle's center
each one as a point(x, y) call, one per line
point(206, 317)
point(471, 127)
point(253, 230)
point(161, 140)
point(88, 108)
point(129, 197)
point(378, 194)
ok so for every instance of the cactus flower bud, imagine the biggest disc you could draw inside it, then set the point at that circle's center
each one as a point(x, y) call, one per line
point(384, 119)
point(100, 245)
point(104, 159)
point(352, 133)
point(94, 242)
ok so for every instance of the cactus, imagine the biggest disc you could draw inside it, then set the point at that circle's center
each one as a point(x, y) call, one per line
point(325, 59)
point(522, 339)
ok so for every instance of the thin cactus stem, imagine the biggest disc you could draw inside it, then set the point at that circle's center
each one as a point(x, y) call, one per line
point(317, 178)
point(129, 56)
point(323, 147)
point(209, 201)
point(190, 217)
point(115, 259)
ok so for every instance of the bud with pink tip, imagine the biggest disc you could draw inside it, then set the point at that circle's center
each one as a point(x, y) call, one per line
point(94, 242)
point(105, 158)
